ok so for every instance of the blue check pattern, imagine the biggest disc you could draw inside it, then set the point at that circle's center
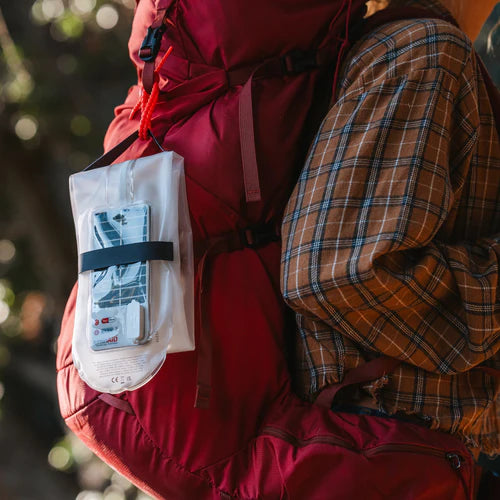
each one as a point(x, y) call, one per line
point(391, 238)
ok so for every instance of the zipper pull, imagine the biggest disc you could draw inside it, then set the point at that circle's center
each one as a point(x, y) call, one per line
point(455, 460)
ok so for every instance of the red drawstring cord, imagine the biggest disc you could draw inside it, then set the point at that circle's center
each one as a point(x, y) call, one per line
point(147, 102)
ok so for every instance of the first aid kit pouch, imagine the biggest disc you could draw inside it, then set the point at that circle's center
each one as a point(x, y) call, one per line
point(135, 285)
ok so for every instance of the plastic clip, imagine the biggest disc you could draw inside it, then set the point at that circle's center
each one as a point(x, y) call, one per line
point(298, 61)
point(151, 43)
point(257, 237)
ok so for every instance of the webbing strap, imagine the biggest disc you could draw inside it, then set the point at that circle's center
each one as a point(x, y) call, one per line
point(291, 63)
point(271, 67)
point(148, 71)
point(119, 255)
point(372, 370)
point(109, 157)
point(247, 143)
point(152, 43)
point(207, 249)
point(119, 404)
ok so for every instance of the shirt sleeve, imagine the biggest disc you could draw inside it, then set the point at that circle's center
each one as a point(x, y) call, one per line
point(370, 245)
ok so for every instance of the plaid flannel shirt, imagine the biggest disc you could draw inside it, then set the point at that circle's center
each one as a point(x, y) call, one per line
point(391, 238)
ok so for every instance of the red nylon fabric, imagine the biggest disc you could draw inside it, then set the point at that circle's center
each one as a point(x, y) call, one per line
point(256, 440)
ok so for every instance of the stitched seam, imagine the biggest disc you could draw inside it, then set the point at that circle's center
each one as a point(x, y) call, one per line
point(64, 367)
point(93, 400)
point(229, 457)
point(152, 443)
point(180, 466)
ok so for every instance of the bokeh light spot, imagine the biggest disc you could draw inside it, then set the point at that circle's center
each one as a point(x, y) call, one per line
point(114, 493)
point(20, 88)
point(52, 9)
point(8, 295)
point(37, 13)
point(107, 17)
point(7, 252)
point(142, 496)
point(31, 315)
point(2, 391)
point(59, 458)
point(94, 475)
point(82, 6)
point(4, 312)
point(81, 454)
point(120, 481)
point(70, 25)
point(80, 125)
point(89, 495)
point(26, 127)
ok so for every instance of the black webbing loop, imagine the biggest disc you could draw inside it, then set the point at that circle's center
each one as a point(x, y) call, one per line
point(126, 254)
point(109, 157)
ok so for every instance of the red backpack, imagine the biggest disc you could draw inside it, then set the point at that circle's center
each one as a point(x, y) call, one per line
point(246, 85)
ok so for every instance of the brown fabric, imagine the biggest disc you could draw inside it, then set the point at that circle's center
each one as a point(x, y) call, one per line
point(391, 239)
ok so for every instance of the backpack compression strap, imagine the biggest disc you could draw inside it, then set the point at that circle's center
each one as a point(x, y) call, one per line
point(205, 250)
point(296, 61)
point(152, 43)
point(372, 370)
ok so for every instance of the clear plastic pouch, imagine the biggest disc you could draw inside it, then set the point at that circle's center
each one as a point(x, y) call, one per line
point(135, 287)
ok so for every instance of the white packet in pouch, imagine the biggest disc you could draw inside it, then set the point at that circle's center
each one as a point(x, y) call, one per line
point(135, 297)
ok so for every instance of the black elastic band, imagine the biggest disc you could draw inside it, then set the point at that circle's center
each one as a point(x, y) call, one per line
point(126, 254)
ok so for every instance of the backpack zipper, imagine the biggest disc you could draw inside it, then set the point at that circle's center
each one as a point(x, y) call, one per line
point(294, 441)
point(454, 459)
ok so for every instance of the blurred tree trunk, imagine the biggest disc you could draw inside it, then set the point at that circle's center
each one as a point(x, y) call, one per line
point(39, 219)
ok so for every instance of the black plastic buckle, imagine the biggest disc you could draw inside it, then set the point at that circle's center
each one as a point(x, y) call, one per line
point(298, 61)
point(259, 236)
point(151, 43)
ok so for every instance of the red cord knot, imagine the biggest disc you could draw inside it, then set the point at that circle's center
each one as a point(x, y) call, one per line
point(147, 102)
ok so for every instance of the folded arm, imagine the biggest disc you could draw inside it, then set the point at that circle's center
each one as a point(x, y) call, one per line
point(372, 246)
